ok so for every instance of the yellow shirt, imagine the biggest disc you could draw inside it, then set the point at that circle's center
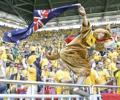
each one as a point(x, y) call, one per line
point(117, 77)
point(54, 63)
point(111, 68)
point(96, 57)
point(4, 56)
point(32, 48)
point(10, 70)
point(44, 62)
point(103, 76)
point(91, 79)
point(59, 75)
point(31, 73)
point(31, 59)
point(115, 53)
point(66, 75)
point(45, 73)
point(52, 75)
point(24, 72)
point(110, 54)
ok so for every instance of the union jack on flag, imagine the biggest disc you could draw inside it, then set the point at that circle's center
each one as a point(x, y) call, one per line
point(38, 16)
point(41, 17)
point(43, 13)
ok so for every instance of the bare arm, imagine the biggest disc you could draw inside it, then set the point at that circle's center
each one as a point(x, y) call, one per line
point(83, 14)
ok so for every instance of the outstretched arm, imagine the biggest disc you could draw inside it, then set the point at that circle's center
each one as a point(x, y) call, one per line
point(83, 14)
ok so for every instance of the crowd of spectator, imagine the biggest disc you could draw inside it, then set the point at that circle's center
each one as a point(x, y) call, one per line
point(27, 61)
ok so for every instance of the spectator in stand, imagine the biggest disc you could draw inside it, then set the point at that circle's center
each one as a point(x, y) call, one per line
point(103, 76)
point(15, 51)
point(11, 69)
point(110, 65)
point(117, 75)
point(45, 73)
point(3, 87)
point(32, 76)
point(3, 59)
point(16, 76)
point(32, 57)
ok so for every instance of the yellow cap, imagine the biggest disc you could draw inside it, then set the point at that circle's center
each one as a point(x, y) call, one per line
point(32, 48)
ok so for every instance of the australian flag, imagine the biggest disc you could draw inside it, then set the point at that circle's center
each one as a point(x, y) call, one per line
point(40, 18)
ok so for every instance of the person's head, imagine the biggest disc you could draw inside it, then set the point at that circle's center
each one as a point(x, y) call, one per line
point(100, 65)
point(92, 63)
point(101, 34)
point(12, 64)
point(118, 63)
point(45, 67)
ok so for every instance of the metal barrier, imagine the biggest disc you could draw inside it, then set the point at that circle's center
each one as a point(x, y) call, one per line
point(98, 89)
point(60, 97)
point(104, 87)
point(43, 96)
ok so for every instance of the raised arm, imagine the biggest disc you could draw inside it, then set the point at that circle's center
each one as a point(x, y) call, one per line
point(84, 16)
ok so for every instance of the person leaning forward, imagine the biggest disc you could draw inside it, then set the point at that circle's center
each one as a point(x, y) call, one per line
point(74, 54)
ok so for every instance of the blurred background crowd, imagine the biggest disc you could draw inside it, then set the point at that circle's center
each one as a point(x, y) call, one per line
point(27, 61)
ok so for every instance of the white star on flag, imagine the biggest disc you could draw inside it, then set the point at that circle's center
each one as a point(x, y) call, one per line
point(9, 34)
point(18, 42)
point(29, 32)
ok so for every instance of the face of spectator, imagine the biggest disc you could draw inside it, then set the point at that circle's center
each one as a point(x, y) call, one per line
point(100, 65)
point(12, 65)
point(46, 67)
point(118, 65)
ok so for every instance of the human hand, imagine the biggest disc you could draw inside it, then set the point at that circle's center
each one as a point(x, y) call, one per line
point(82, 11)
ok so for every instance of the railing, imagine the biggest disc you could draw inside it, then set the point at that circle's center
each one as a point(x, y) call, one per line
point(90, 89)
point(43, 96)
point(42, 83)
point(52, 97)
point(99, 87)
